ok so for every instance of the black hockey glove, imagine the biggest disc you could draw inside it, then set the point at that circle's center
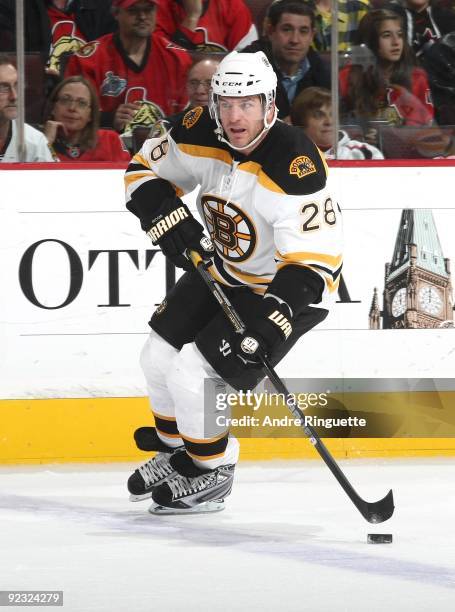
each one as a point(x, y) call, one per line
point(292, 289)
point(174, 229)
point(271, 326)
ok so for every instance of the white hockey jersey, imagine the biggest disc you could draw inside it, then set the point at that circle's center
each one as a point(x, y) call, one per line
point(36, 146)
point(353, 149)
point(263, 211)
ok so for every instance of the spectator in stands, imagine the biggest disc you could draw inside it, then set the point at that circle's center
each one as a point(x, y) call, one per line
point(198, 81)
point(56, 28)
point(425, 22)
point(350, 12)
point(312, 111)
point(430, 30)
point(138, 75)
point(439, 62)
point(391, 89)
point(36, 147)
point(288, 38)
point(198, 85)
point(206, 25)
point(72, 125)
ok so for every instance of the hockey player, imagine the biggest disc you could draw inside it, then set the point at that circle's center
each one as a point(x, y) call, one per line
point(276, 233)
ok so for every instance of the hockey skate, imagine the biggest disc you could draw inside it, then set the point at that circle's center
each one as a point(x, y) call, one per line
point(192, 490)
point(155, 471)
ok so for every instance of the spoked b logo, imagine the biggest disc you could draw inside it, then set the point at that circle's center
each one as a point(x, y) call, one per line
point(230, 228)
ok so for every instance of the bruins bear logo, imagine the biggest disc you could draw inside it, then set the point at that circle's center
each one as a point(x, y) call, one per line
point(192, 117)
point(302, 166)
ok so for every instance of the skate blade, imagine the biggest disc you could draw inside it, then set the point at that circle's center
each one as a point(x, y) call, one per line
point(136, 498)
point(216, 505)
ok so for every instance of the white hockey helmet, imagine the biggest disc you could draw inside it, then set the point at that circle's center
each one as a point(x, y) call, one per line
point(239, 75)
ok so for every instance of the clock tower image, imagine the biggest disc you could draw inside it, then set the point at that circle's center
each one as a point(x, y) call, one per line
point(417, 287)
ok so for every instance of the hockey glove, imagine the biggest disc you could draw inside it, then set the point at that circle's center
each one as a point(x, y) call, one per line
point(174, 229)
point(271, 326)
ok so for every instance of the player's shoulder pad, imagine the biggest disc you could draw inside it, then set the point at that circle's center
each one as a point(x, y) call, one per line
point(292, 161)
point(195, 126)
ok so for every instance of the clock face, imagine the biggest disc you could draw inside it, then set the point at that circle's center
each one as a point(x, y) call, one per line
point(399, 302)
point(430, 300)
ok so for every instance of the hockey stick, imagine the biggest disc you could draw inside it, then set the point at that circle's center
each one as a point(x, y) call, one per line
point(373, 512)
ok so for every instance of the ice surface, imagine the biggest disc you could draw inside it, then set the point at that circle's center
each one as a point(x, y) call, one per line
point(289, 540)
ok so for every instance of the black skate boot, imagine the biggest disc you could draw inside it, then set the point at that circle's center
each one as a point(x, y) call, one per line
point(192, 490)
point(155, 471)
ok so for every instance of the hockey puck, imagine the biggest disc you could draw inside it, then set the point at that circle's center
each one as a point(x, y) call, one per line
point(379, 538)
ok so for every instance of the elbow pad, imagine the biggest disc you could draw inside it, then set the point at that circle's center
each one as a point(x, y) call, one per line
point(297, 287)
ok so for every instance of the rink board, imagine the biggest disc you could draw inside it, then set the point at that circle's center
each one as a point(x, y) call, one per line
point(80, 281)
point(100, 429)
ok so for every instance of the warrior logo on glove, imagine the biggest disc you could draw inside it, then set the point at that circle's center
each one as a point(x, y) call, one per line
point(264, 332)
point(175, 230)
point(164, 224)
point(281, 321)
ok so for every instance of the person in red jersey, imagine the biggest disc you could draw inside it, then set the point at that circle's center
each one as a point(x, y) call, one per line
point(391, 88)
point(430, 31)
point(69, 32)
point(72, 126)
point(55, 27)
point(206, 25)
point(139, 76)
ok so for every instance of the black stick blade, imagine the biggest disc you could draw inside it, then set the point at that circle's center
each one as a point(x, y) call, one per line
point(378, 512)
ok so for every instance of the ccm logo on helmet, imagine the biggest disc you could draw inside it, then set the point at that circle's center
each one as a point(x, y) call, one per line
point(281, 321)
point(231, 84)
point(167, 223)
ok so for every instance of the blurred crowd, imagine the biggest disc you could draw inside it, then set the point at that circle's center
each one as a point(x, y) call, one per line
point(101, 75)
